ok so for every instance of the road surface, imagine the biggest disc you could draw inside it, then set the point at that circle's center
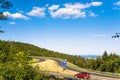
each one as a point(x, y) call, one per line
point(71, 76)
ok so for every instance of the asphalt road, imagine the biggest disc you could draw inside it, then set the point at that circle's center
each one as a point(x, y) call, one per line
point(71, 77)
point(101, 75)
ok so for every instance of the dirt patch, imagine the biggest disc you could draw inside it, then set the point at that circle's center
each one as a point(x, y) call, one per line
point(51, 65)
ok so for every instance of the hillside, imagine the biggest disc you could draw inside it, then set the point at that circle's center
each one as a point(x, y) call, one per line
point(14, 47)
point(105, 63)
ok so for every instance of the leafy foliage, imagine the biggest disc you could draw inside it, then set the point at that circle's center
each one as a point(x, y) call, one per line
point(14, 47)
point(4, 4)
point(106, 63)
point(15, 66)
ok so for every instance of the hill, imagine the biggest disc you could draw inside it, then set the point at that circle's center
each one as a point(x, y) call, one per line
point(105, 63)
point(14, 47)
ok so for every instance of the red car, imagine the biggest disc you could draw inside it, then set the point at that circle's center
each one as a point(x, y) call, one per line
point(84, 75)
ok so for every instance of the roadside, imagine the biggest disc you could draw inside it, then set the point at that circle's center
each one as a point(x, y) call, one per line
point(54, 67)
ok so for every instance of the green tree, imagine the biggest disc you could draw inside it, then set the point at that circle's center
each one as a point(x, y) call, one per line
point(17, 68)
point(4, 4)
point(105, 56)
point(98, 62)
point(118, 71)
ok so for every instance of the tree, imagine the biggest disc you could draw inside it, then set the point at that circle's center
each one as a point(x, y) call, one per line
point(98, 62)
point(16, 67)
point(4, 4)
point(105, 56)
point(118, 71)
point(117, 35)
point(1, 31)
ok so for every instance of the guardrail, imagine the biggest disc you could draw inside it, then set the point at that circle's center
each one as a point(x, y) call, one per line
point(109, 74)
point(95, 72)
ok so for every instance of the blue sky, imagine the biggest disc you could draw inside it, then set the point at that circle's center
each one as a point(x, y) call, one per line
point(78, 27)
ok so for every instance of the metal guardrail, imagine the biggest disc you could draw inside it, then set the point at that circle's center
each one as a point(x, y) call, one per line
point(109, 74)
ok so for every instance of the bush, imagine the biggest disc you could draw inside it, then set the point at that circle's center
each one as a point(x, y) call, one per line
point(16, 67)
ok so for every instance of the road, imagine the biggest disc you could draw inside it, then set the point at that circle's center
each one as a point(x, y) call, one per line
point(67, 67)
point(71, 76)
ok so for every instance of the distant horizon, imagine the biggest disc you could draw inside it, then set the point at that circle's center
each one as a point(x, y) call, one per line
point(67, 26)
point(94, 54)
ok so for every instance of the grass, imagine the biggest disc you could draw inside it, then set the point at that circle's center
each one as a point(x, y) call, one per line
point(91, 71)
point(33, 61)
point(80, 69)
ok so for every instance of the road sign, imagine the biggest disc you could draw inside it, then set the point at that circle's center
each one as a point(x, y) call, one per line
point(64, 63)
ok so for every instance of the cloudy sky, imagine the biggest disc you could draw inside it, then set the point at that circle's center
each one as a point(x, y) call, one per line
point(78, 27)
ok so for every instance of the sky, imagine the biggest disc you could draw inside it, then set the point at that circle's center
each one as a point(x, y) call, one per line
point(77, 27)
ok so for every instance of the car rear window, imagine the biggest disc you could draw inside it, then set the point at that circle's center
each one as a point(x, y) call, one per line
point(83, 72)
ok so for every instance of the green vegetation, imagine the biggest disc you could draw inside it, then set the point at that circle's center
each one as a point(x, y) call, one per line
point(14, 47)
point(15, 65)
point(105, 63)
point(14, 60)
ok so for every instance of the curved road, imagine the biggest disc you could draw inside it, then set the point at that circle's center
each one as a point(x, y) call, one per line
point(71, 76)
point(102, 75)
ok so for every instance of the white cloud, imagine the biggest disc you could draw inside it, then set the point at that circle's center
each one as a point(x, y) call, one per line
point(77, 5)
point(12, 23)
point(76, 10)
point(96, 3)
point(53, 7)
point(91, 14)
point(16, 15)
point(6, 14)
point(117, 3)
point(37, 11)
point(67, 12)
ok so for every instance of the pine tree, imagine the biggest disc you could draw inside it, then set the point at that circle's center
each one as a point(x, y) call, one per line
point(105, 56)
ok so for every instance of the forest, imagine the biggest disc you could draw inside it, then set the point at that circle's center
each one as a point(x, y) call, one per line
point(106, 62)
point(14, 57)
point(14, 65)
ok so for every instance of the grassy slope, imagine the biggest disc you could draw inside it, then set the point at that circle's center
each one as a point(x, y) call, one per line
point(82, 69)
point(37, 51)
